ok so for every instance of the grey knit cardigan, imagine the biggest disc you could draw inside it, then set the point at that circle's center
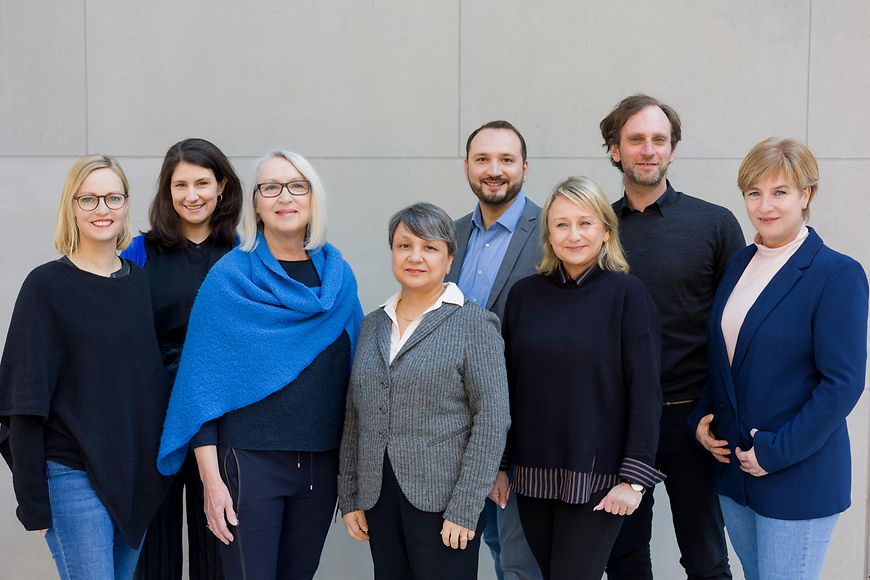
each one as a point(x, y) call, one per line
point(440, 410)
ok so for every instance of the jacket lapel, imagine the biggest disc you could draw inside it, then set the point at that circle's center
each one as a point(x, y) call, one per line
point(385, 327)
point(518, 241)
point(776, 290)
point(719, 351)
point(463, 233)
point(430, 322)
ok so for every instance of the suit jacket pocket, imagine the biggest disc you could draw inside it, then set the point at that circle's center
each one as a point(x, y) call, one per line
point(448, 436)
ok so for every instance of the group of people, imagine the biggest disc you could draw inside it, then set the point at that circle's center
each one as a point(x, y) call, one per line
point(537, 373)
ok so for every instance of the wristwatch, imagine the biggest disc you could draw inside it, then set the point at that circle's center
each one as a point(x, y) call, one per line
point(638, 488)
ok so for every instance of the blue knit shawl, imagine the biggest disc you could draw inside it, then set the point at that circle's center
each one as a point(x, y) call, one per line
point(252, 330)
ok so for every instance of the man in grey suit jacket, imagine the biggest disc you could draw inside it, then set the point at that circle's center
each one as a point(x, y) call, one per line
point(498, 244)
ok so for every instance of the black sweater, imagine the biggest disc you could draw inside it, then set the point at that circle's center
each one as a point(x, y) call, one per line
point(583, 369)
point(678, 247)
point(81, 355)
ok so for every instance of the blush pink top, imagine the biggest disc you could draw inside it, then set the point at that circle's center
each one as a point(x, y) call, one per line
point(758, 273)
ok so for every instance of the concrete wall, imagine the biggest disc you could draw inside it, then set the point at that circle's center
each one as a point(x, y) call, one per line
point(381, 96)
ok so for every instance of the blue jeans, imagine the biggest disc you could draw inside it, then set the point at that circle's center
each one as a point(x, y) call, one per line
point(84, 541)
point(517, 560)
point(771, 549)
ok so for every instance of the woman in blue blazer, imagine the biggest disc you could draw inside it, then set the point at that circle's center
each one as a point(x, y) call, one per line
point(787, 342)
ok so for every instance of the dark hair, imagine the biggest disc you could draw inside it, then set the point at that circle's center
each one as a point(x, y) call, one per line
point(611, 125)
point(426, 221)
point(166, 229)
point(496, 125)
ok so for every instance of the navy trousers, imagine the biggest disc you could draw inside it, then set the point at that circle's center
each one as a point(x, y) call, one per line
point(284, 501)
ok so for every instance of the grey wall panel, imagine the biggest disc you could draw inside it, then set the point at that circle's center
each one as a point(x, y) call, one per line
point(735, 71)
point(839, 209)
point(29, 193)
point(839, 109)
point(363, 194)
point(42, 90)
point(341, 79)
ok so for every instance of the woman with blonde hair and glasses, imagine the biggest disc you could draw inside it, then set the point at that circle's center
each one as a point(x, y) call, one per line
point(787, 340)
point(583, 348)
point(261, 385)
point(82, 387)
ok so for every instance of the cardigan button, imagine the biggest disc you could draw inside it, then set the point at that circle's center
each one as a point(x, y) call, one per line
point(383, 409)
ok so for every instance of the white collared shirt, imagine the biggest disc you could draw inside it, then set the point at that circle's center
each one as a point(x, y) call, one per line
point(452, 295)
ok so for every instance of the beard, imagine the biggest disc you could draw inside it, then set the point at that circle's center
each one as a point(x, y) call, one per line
point(496, 198)
point(648, 180)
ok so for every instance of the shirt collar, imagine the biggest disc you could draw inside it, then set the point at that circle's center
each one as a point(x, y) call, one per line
point(452, 295)
point(665, 201)
point(561, 275)
point(508, 220)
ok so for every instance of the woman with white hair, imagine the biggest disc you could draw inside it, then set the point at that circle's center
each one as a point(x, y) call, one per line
point(263, 376)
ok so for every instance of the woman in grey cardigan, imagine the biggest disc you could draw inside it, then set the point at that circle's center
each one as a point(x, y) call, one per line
point(427, 413)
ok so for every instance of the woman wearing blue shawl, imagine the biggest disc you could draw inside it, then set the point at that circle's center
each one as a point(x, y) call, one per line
point(263, 376)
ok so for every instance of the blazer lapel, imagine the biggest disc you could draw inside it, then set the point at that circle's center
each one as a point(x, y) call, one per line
point(720, 352)
point(463, 233)
point(776, 290)
point(518, 241)
point(429, 323)
point(385, 327)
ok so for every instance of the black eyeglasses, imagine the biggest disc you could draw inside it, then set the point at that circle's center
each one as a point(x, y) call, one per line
point(295, 188)
point(90, 202)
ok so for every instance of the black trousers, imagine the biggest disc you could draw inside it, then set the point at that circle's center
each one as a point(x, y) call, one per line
point(162, 556)
point(694, 507)
point(284, 501)
point(406, 542)
point(569, 541)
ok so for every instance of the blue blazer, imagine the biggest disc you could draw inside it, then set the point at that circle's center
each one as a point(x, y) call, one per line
point(798, 369)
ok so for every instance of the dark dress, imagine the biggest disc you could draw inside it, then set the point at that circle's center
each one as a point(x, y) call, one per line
point(175, 276)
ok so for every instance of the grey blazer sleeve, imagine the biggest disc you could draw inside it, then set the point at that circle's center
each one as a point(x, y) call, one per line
point(486, 386)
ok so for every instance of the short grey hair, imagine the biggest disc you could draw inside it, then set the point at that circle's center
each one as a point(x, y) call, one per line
point(426, 221)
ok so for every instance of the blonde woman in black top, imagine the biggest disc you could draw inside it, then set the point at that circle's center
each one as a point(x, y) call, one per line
point(583, 356)
point(82, 387)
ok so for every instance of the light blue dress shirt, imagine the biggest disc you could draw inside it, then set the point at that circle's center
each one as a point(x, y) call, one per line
point(486, 250)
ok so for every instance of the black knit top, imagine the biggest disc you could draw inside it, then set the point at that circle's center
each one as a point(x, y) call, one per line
point(583, 367)
point(81, 355)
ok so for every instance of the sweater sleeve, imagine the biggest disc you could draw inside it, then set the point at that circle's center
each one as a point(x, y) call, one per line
point(27, 442)
point(486, 387)
point(641, 370)
point(505, 462)
point(730, 241)
point(207, 435)
point(840, 352)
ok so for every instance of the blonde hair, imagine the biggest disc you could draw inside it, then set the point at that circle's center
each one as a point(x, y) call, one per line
point(585, 193)
point(789, 156)
point(316, 232)
point(66, 232)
